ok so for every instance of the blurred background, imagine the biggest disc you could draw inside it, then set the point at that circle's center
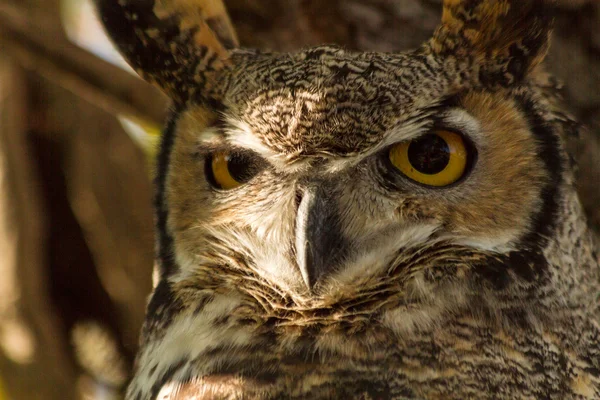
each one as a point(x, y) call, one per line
point(77, 137)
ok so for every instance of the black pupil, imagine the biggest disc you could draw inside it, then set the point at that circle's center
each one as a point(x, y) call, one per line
point(429, 154)
point(241, 167)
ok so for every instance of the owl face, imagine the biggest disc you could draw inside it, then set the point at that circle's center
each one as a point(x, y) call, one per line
point(320, 172)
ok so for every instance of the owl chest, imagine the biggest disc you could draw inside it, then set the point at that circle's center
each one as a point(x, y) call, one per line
point(462, 359)
point(453, 365)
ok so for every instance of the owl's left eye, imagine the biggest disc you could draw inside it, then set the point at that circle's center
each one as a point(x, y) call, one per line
point(436, 159)
point(228, 170)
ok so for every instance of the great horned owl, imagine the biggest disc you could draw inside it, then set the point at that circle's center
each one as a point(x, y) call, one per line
point(338, 224)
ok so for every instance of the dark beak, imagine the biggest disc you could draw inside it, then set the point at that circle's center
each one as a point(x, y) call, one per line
point(320, 246)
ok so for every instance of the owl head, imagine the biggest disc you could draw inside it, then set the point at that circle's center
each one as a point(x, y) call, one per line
point(319, 177)
point(341, 190)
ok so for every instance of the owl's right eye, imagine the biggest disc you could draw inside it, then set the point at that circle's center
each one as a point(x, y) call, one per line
point(228, 170)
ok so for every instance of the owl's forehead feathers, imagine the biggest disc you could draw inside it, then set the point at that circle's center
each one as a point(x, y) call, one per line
point(325, 101)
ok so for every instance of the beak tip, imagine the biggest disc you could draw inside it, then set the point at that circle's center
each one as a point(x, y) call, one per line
point(307, 281)
point(308, 276)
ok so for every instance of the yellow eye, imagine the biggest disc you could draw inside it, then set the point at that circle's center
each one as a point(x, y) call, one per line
point(228, 170)
point(436, 159)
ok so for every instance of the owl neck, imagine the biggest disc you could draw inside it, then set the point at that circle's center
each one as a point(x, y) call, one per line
point(573, 265)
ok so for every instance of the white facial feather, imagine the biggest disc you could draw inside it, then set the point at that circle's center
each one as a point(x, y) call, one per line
point(378, 254)
point(187, 339)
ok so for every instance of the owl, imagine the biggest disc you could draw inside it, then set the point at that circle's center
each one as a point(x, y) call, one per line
point(334, 224)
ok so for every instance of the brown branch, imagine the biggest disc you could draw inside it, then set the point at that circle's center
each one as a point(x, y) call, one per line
point(33, 354)
point(46, 50)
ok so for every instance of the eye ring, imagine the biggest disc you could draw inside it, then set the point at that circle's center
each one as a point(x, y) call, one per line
point(437, 159)
point(227, 170)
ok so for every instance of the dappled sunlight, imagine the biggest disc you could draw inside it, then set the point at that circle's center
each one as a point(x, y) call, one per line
point(17, 342)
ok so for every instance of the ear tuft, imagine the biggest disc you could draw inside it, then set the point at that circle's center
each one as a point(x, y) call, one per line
point(178, 45)
point(504, 40)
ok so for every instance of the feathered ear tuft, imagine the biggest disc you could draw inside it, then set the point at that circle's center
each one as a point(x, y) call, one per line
point(178, 45)
point(503, 40)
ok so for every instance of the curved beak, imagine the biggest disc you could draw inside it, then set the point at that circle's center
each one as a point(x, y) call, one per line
point(320, 245)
